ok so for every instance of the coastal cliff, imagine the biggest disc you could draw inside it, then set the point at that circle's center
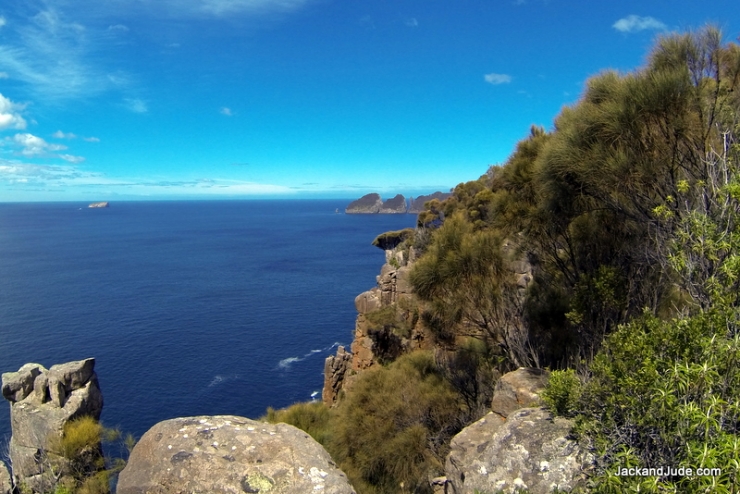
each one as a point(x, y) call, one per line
point(367, 204)
point(374, 204)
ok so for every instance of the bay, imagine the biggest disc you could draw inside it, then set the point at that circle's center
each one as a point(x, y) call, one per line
point(196, 307)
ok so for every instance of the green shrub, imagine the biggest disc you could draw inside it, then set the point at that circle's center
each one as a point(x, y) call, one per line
point(80, 434)
point(665, 393)
point(393, 428)
point(313, 418)
point(562, 392)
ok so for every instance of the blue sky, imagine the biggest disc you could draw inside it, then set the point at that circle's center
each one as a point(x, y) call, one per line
point(157, 99)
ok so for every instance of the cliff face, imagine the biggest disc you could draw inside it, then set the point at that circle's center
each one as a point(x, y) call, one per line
point(394, 205)
point(388, 323)
point(367, 204)
point(386, 327)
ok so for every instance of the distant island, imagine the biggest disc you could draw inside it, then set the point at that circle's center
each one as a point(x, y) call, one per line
point(374, 204)
point(98, 205)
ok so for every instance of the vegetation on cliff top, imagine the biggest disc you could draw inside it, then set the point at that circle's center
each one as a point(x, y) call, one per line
point(628, 213)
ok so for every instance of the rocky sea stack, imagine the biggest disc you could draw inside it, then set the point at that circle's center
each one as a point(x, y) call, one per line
point(373, 203)
point(41, 403)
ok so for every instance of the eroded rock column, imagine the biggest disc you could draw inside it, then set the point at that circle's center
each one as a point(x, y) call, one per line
point(41, 402)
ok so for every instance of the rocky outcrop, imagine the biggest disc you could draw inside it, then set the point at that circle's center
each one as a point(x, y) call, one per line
point(367, 204)
point(516, 447)
point(395, 205)
point(392, 285)
point(530, 450)
point(416, 206)
point(6, 486)
point(42, 401)
point(229, 454)
point(370, 345)
point(518, 389)
point(390, 240)
point(335, 370)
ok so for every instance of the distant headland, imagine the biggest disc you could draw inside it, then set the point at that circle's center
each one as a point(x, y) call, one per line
point(374, 204)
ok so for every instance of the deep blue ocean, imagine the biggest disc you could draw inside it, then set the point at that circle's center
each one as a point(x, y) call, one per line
point(198, 307)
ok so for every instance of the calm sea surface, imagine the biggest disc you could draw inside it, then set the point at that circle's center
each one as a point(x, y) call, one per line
point(223, 307)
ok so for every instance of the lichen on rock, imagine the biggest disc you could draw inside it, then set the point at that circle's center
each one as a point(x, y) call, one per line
point(229, 454)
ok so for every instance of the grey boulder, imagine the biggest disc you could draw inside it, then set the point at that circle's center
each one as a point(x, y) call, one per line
point(229, 454)
point(530, 450)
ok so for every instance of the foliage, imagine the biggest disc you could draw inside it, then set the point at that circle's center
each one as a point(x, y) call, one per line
point(665, 393)
point(390, 240)
point(595, 205)
point(629, 213)
point(398, 319)
point(80, 435)
point(393, 426)
point(76, 458)
point(463, 278)
point(312, 417)
point(562, 392)
point(470, 370)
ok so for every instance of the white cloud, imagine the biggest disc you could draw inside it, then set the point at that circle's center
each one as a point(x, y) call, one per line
point(2, 21)
point(119, 28)
point(63, 135)
point(635, 23)
point(49, 53)
point(15, 172)
point(222, 7)
point(4, 75)
point(31, 177)
point(136, 105)
point(91, 139)
point(497, 78)
point(32, 145)
point(412, 22)
point(226, 111)
point(9, 116)
point(72, 159)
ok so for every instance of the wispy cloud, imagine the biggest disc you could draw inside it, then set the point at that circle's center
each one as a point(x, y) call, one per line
point(222, 7)
point(496, 79)
point(10, 118)
point(635, 23)
point(16, 172)
point(91, 139)
point(136, 105)
point(2, 21)
point(33, 177)
point(63, 135)
point(31, 145)
point(49, 53)
point(71, 158)
point(412, 22)
point(226, 111)
point(4, 75)
point(118, 28)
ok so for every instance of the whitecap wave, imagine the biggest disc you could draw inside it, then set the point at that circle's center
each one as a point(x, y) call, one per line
point(219, 379)
point(285, 363)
